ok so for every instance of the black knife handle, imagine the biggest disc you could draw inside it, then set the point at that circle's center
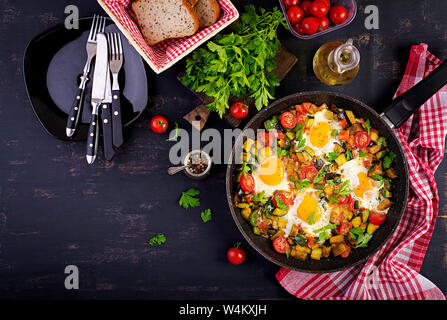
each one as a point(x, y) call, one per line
point(106, 118)
point(116, 119)
point(75, 112)
point(92, 138)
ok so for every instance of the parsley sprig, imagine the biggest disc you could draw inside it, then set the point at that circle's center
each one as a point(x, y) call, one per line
point(159, 239)
point(189, 200)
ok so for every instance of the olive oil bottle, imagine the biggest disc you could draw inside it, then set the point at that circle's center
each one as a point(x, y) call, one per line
point(337, 63)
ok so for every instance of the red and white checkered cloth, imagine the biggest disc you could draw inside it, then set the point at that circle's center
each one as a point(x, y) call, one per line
point(169, 51)
point(393, 273)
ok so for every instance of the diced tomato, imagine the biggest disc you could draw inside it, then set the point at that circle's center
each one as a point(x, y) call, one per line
point(306, 106)
point(263, 226)
point(301, 118)
point(346, 253)
point(344, 135)
point(377, 218)
point(344, 228)
point(281, 244)
point(310, 241)
point(247, 182)
point(366, 163)
point(288, 120)
point(344, 123)
point(309, 172)
point(362, 139)
point(265, 138)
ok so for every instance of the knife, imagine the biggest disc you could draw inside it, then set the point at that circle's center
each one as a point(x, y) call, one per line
point(98, 94)
point(106, 117)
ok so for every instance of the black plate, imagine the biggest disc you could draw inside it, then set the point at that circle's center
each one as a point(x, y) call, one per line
point(53, 63)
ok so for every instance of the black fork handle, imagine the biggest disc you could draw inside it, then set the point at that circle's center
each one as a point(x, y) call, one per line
point(75, 112)
point(404, 106)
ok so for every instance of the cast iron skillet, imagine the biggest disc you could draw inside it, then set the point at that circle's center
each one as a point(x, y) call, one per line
point(53, 63)
point(394, 116)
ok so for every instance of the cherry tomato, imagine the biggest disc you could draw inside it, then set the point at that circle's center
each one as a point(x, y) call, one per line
point(283, 199)
point(346, 253)
point(362, 139)
point(297, 27)
point(319, 9)
point(338, 14)
point(310, 25)
point(304, 107)
point(377, 218)
point(324, 24)
point(239, 110)
point(236, 255)
point(327, 2)
point(288, 120)
point(279, 136)
point(265, 138)
point(159, 124)
point(305, 5)
point(309, 172)
point(289, 3)
point(281, 244)
point(345, 228)
point(247, 182)
point(295, 14)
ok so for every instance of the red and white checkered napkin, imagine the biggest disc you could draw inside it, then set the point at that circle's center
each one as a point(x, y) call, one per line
point(163, 55)
point(393, 273)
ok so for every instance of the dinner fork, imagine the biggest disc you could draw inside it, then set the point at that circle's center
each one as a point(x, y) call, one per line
point(98, 26)
point(116, 58)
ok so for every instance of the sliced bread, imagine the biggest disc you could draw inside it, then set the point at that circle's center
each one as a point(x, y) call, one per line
point(208, 12)
point(164, 19)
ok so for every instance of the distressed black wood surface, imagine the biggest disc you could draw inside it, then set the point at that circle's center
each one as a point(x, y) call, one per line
point(55, 210)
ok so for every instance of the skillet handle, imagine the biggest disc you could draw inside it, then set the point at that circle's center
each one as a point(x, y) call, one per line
point(409, 102)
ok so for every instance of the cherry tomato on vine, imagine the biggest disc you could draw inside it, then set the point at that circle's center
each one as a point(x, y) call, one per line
point(236, 255)
point(362, 139)
point(309, 172)
point(338, 14)
point(288, 120)
point(310, 25)
point(159, 124)
point(295, 14)
point(319, 9)
point(247, 182)
point(239, 110)
point(289, 3)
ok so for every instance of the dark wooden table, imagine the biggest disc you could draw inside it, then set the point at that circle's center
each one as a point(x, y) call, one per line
point(55, 210)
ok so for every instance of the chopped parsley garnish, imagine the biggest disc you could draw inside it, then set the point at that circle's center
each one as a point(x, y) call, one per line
point(328, 227)
point(159, 239)
point(363, 240)
point(189, 200)
point(311, 219)
point(344, 190)
point(368, 126)
point(260, 197)
point(303, 184)
point(206, 215)
point(334, 133)
point(362, 154)
point(280, 204)
point(377, 177)
point(332, 156)
point(388, 160)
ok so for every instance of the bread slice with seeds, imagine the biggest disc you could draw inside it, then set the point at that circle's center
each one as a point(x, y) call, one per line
point(164, 19)
point(208, 12)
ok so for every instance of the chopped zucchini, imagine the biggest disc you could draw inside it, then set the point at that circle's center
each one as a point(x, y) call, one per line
point(316, 254)
point(253, 218)
point(365, 215)
point(256, 231)
point(341, 160)
point(371, 228)
point(309, 122)
point(380, 154)
point(279, 213)
point(290, 135)
point(246, 213)
point(309, 151)
point(351, 117)
point(356, 222)
point(374, 136)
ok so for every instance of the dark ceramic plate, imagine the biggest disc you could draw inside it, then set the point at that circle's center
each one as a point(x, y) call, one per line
point(53, 63)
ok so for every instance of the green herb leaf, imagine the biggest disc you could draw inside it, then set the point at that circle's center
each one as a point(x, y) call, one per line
point(388, 160)
point(332, 156)
point(320, 176)
point(206, 215)
point(344, 190)
point(356, 232)
point(368, 126)
point(189, 200)
point(362, 154)
point(334, 133)
point(280, 204)
point(311, 219)
point(323, 236)
point(304, 184)
point(363, 240)
point(260, 197)
point(327, 227)
point(159, 239)
point(348, 155)
point(175, 136)
point(377, 177)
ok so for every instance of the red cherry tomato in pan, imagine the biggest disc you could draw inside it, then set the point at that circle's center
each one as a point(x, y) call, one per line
point(345, 228)
point(338, 14)
point(295, 14)
point(324, 24)
point(283, 199)
point(288, 120)
point(236, 255)
point(319, 9)
point(247, 182)
point(239, 110)
point(281, 244)
point(305, 5)
point(265, 138)
point(346, 253)
point(310, 25)
point(309, 172)
point(159, 124)
point(362, 139)
point(377, 218)
point(289, 3)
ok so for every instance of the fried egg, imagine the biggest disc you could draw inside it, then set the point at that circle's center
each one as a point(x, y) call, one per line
point(308, 212)
point(270, 176)
point(365, 189)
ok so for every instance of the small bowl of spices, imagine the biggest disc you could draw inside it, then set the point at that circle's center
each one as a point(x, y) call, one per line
point(199, 164)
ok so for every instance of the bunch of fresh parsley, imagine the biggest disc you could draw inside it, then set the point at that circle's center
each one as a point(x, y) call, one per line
point(239, 63)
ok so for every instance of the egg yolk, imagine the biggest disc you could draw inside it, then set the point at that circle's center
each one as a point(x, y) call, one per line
point(365, 184)
point(319, 135)
point(271, 171)
point(307, 207)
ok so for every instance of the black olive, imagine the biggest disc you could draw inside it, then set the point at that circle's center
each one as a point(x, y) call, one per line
point(371, 144)
point(318, 164)
point(341, 115)
point(331, 176)
point(271, 232)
